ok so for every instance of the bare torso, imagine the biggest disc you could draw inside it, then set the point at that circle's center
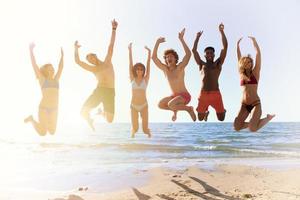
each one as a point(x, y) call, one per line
point(249, 94)
point(106, 75)
point(210, 73)
point(175, 78)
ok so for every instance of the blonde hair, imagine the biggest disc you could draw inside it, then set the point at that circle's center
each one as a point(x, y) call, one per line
point(242, 67)
point(44, 70)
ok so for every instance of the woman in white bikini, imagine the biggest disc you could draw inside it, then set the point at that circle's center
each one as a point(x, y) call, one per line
point(139, 77)
point(49, 82)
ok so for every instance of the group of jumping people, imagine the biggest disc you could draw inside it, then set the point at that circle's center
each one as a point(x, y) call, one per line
point(104, 93)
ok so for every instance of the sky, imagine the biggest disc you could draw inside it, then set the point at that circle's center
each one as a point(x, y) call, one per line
point(52, 24)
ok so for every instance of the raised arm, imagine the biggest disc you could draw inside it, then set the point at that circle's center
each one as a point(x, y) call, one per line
point(225, 44)
point(110, 50)
point(130, 62)
point(155, 59)
point(239, 55)
point(197, 57)
point(147, 76)
point(79, 62)
point(36, 68)
point(187, 51)
point(60, 65)
point(256, 69)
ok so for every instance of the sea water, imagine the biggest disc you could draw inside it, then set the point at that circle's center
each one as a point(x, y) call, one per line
point(109, 157)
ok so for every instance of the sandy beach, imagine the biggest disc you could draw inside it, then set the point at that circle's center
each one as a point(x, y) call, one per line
point(225, 181)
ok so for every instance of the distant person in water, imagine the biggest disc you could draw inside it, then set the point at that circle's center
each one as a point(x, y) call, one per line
point(104, 72)
point(210, 94)
point(249, 75)
point(174, 72)
point(139, 77)
point(49, 82)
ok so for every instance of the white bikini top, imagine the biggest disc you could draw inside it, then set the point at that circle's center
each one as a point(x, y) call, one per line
point(141, 86)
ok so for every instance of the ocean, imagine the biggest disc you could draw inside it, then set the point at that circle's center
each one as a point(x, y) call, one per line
point(81, 158)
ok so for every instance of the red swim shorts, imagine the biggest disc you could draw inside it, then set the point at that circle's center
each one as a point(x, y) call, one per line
point(210, 98)
point(185, 95)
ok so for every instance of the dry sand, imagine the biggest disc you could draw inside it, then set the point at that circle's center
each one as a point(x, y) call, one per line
point(227, 181)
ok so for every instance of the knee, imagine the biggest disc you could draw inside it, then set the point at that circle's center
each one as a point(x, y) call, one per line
point(84, 112)
point(252, 128)
point(109, 118)
point(201, 116)
point(221, 117)
point(42, 132)
point(236, 125)
point(161, 105)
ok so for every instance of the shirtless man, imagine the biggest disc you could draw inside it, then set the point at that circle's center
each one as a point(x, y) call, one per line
point(174, 72)
point(104, 72)
point(210, 94)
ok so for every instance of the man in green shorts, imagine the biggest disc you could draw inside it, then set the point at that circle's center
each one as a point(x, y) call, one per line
point(104, 72)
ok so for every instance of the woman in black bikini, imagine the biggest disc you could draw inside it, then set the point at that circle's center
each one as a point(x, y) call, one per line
point(249, 74)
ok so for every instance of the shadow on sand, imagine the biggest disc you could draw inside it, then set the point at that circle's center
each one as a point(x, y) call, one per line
point(214, 194)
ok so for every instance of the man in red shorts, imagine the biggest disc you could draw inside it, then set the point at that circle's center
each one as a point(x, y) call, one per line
point(210, 94)
point(174, 72)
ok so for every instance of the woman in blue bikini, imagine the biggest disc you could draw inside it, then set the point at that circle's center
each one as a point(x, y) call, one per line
point(49, 82)
point(139, 77)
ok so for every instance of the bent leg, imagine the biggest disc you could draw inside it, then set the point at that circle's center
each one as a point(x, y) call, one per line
point(255, 122)
point(239, 122)
point(163, 103)
point(221, 116)
point(40, 127)
point(178, 103)
point(93, 101)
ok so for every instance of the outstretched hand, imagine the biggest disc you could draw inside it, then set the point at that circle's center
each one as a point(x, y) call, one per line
point(181, 34)
point(239, 40)
point(253, 40)
point(76, 44)
point(114, 24)
point(130, 46)
point(147, 48)
point(199, 34)
point(161, 40)
point(221, 27)
point(31, 46)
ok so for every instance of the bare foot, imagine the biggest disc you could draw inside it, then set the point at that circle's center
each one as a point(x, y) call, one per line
point(28, 119)
point(148, 133)
point(133, 132)
point(174, 117)
point(90, 123)
point(270, 117)
point(206, 115)
point(192, 113)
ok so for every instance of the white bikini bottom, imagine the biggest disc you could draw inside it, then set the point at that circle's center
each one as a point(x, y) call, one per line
point(138, 108)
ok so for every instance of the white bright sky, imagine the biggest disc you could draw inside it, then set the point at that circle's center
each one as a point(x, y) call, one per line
point(52, 24)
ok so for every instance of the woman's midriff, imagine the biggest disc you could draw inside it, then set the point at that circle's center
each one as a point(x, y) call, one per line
point(249, 94)
point(50, 98)
point(138, 97)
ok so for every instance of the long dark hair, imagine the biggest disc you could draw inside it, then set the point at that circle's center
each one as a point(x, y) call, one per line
point(135, 68)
